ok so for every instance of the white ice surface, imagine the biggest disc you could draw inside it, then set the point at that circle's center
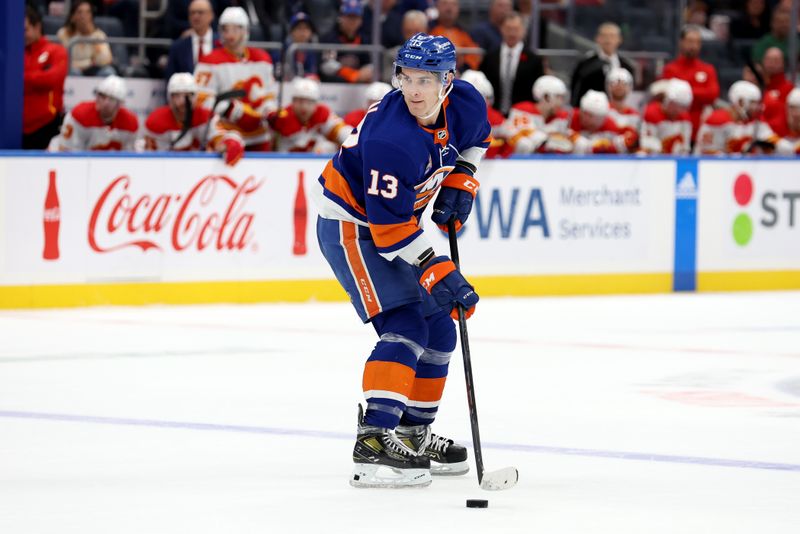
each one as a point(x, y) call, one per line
point(639, 414)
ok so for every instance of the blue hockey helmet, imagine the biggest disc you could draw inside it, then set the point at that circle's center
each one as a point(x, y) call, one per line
point(427, 52)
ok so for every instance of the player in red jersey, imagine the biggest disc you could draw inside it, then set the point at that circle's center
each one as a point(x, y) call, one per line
point(306, 125)
point(237, 66)
point(594, 132)
point(499, 147)
point(181, 125)
point(99, 124)
point(666, 124)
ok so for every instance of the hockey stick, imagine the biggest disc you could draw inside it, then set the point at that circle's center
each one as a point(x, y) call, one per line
point(187, 121)
point(219, 99)
point(494, 480)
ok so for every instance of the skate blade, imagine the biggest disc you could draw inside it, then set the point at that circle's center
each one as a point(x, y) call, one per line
point(449, 470)
point(379, 476)
point(501, 479)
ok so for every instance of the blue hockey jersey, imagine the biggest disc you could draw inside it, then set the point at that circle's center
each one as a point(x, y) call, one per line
point(390, 167)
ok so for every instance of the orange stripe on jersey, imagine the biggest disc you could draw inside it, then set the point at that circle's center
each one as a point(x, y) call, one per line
point(336, 184)
point(359, 270)
point(423, 199)
point(388, 376)
point(386, 235)
point(427, 389)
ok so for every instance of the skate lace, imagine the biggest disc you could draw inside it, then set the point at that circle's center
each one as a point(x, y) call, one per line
point(392, 443)
point(439, 443)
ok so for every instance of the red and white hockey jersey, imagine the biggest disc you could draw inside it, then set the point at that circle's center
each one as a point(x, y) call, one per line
point(222, 71)
point(322, 133)
point(161, 129)
point(662, 135)
point(625, 116)
point(83, 129)
point(609, 138)
point(723, 133)
point(525, 119)
point(788, 143)
point(499, 147)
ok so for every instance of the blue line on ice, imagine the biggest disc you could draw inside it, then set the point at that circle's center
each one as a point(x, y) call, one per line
point(568, 451)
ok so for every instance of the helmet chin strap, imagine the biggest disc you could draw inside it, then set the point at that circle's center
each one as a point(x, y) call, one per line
point(442, 95)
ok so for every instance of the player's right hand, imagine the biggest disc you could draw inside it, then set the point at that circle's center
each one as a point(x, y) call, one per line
point(445, 283)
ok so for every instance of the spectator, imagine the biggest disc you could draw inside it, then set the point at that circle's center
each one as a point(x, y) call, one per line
point(590, 73)
point(198, 41)
point(701, 76)
point(499, 146)
point(235, 65)
point(738, 129)
point(306, 125)
point(304, 62)
point(542, 126)
point(594, 132)
point(447, 26)
point(347, 66)
point(697, 15)
point(776, 86)
point(391, 21)
point(512, 68)
point(753, 23)
point(99, 124)
point(666, 124)
point(181, 125)
point(780, 26)
point(414, 22)
point(619, 85)
point(45, 68)
point(374, 93)
point(787, 126)
point(487, 33)
point(88, 59)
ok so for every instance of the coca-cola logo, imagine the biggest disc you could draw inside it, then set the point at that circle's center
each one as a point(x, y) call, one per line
point(195, 221)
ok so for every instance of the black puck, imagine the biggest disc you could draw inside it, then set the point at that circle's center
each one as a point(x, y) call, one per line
point(477, 503)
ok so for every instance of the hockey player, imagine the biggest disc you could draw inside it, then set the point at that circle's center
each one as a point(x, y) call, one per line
point(667, 125)
point(374, 92)
point(787, 126)
point(542, 126)
point(237, 66)
point(99, 124)
point(419, 143)
point(181, 125)
point(594, 132)
point(619, 84)
point(499, 147)
point(306, 125)
point(738, 129)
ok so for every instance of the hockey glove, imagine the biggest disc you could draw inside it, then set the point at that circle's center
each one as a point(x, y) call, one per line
point(447, 285)
point(456, 197)
point(233, 152)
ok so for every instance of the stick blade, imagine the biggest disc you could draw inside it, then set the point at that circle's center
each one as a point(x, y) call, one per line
point(501, 479)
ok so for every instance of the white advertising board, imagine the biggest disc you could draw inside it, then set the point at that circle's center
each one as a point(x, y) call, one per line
point(192, 218)
point(748, 215)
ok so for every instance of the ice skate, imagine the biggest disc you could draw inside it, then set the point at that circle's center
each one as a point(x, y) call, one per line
point(447, 457)
point(383, 461)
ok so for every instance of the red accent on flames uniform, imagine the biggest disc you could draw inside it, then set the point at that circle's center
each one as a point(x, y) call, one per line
point(789, 142)
point(609, 138)
point(222, 71)
point(318, 134)
point(499, 146)
point(625, 116)
point(662, 135)
point(723, 133)
point(83, 129)
point(43, 89)
point(355, 117)
point(775, 94)
point(525, 119)
point(161, 128)
point(702, 77)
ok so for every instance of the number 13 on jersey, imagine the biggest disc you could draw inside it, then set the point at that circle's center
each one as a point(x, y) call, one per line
point(387, 189)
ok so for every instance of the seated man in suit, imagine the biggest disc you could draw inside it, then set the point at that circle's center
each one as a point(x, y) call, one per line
point(512, 68)
point(197, 42)
point(590, 72)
